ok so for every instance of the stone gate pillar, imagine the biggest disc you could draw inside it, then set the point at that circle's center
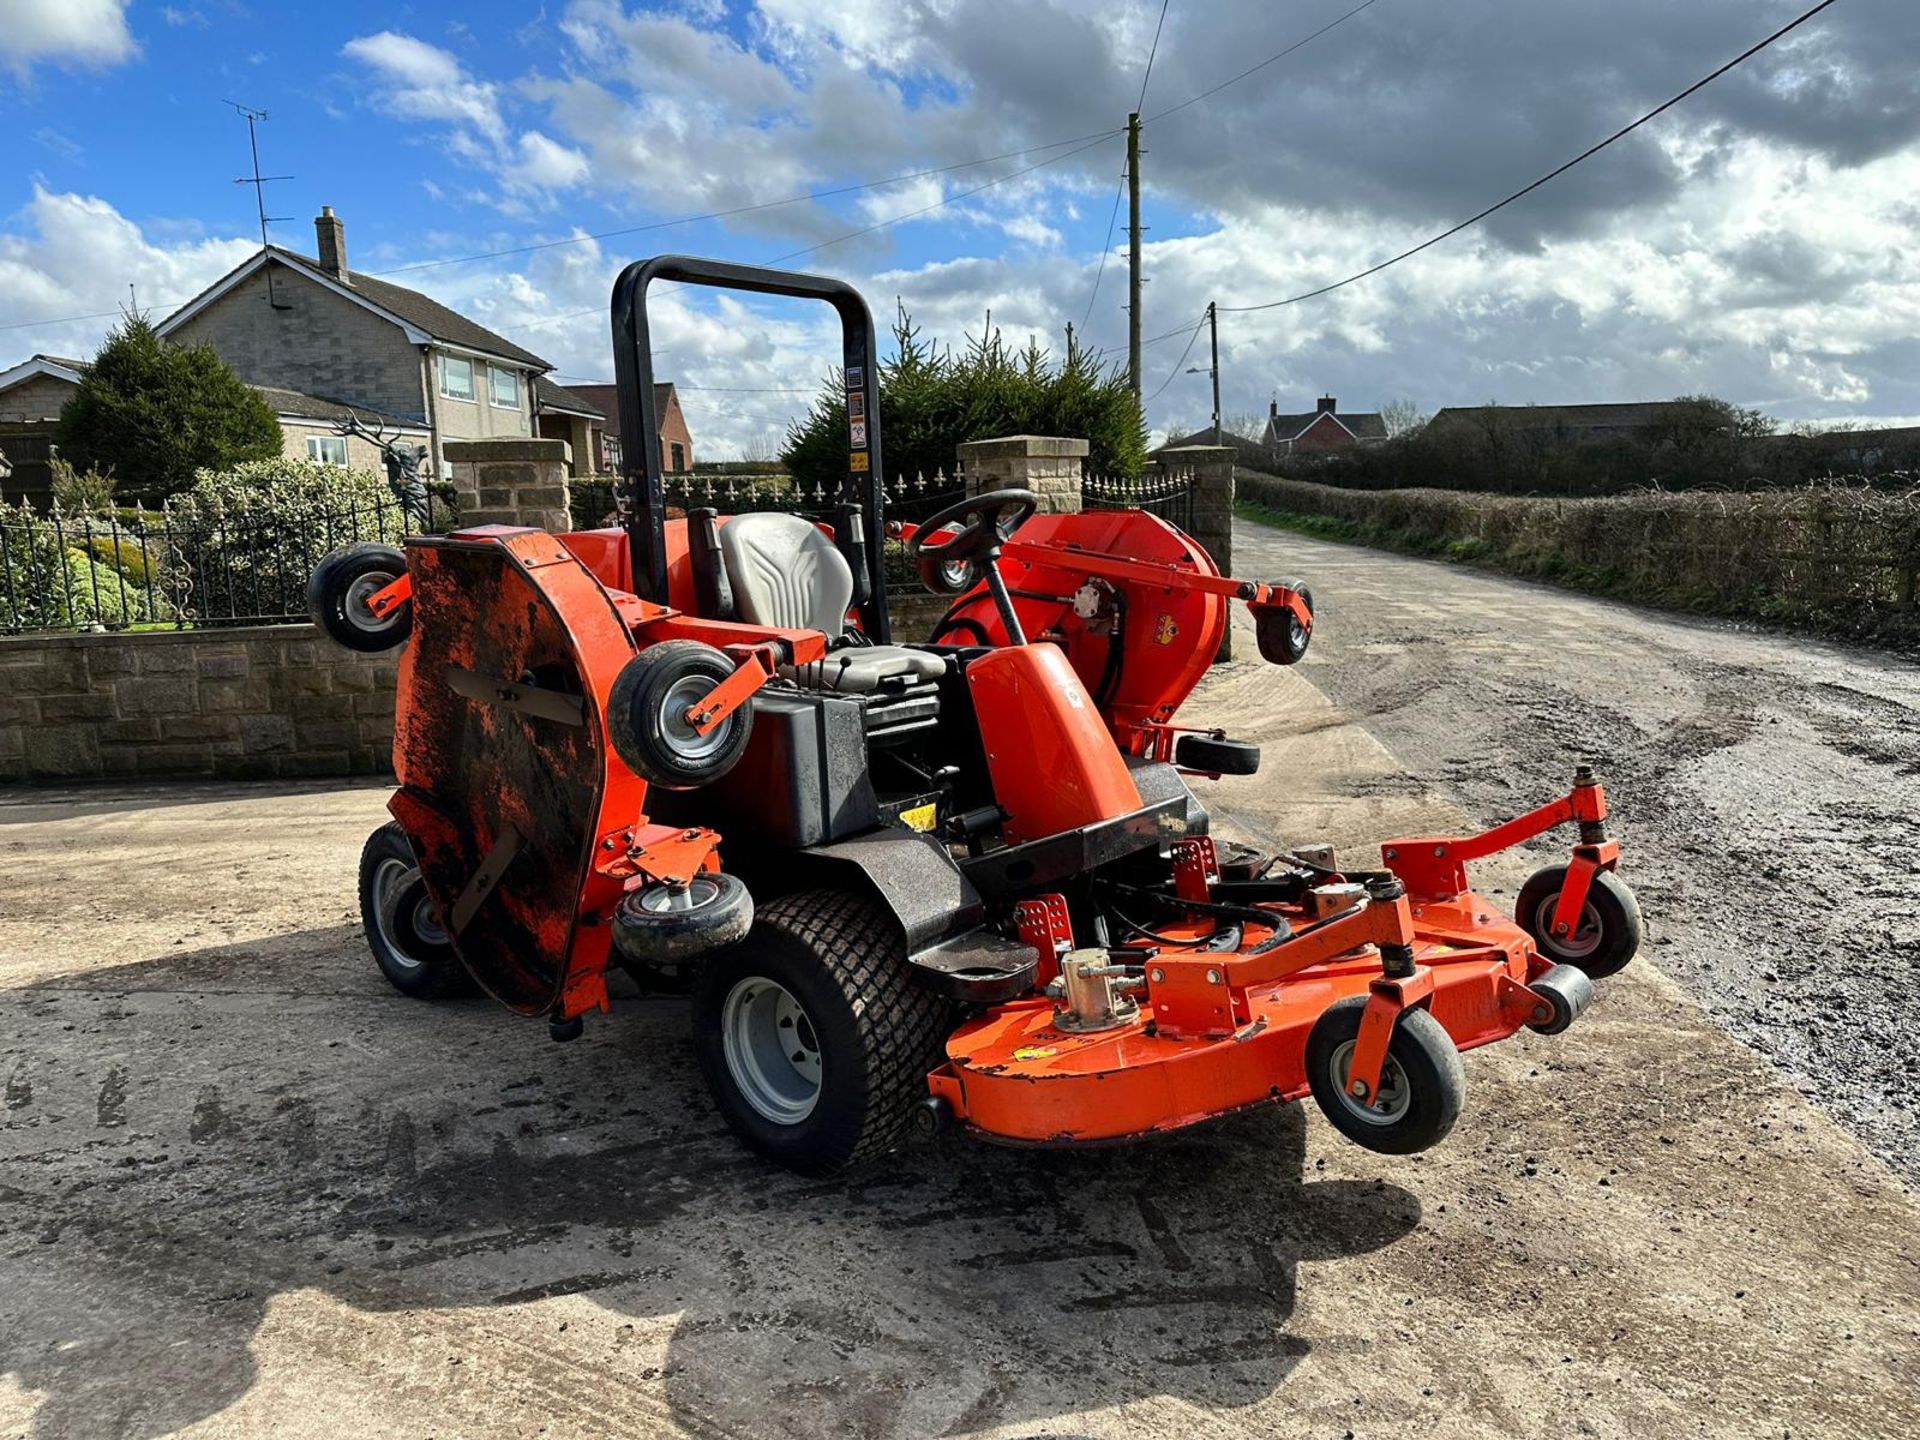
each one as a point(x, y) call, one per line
point(1211, 467)
point(1048, 465)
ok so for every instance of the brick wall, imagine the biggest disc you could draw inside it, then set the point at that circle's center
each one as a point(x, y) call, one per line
point(254, 703)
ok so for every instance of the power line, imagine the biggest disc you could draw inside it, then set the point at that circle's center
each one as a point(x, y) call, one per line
point(1178, 365)
point(1152, 50)
point(745, 209)
point(1255, 69)
point(1586, 154)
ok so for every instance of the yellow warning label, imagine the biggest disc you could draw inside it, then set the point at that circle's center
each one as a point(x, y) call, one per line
point(859, 465)
point(1165, 630)
point(1034, 1052)
point(920, 817)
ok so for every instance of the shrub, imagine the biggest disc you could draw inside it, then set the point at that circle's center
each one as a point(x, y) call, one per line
point(154, 414)
point(241, 542)
point(52, 578)
point(81, 492)
point(932, 400)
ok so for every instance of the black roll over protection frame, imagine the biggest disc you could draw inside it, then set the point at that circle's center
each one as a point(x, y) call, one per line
point(859, 510)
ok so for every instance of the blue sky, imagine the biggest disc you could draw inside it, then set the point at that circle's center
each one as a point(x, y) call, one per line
point(1755, 244)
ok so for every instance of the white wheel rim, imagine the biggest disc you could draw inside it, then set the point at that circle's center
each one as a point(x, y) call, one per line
point(700, 891)
point(359, 602)
point(1389, 1106)
point(1585, 938)
point(685, 741)
point(389, 881)
point(772, 1051)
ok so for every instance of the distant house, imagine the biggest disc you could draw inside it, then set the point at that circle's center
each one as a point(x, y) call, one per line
point(676, 444)
point(37, 388)
point(33, 393)
point(1561, 424)
point(563, 414)
point(315, 328)
point(1322, 428)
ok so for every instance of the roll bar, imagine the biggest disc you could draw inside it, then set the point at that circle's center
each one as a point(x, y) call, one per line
point(858, 517)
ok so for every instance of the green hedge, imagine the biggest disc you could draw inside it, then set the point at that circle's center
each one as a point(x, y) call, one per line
point(1840, 555)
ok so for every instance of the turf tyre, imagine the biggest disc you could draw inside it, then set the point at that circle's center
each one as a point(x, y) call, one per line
point(842, 959)
point(646, 709)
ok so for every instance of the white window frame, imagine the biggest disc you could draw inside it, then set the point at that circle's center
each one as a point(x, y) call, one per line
point(317, 445)
point(447, 362)
point(496, 373)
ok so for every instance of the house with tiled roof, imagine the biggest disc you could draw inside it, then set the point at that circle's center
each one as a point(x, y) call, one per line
point(1325, 427)
point(676, 441)
point(312, 326)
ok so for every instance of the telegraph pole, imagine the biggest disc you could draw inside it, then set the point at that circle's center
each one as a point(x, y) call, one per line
point(1213, 335)
point(1133, 253)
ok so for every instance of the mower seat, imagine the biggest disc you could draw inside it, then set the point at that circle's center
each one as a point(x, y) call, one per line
point(786, 574)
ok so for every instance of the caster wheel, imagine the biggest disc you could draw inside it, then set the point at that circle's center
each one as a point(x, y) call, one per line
point(1609, 932)
point(647, 716)
point(1216, 755)
point(1422, 1083)
point(667, 925)
point(343, 584)
point(403, 928)
point(1567, 992)
point(1283, 640)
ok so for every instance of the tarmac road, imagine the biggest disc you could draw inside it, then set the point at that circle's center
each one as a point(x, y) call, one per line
point(246, 1190)
point(1766, 789)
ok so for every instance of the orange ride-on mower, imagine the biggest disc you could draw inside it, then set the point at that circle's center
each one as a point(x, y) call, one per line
point(913, 884)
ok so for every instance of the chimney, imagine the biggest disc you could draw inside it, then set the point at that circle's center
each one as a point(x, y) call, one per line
point(332, 238)
point(1273, 409)
point(1327, 405)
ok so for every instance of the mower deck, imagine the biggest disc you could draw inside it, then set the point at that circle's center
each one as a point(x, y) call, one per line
point(1016, 1077)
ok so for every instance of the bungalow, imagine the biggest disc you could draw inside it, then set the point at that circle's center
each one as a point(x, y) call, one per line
point(1322, 428)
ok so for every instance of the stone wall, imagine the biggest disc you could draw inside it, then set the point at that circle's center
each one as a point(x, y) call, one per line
point(1048, 465)
point(262, 702)
point(511, 482)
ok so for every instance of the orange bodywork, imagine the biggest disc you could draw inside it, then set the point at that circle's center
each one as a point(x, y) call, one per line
point(1053, 765)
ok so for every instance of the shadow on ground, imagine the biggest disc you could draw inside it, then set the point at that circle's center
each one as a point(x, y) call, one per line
point(272, 1119)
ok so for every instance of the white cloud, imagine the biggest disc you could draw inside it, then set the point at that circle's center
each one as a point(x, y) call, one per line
point(65, 32)
point(424, 82)
point(544, 164)
point(77, 256)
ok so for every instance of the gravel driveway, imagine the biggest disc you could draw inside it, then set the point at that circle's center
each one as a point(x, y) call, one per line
point(1767, 789)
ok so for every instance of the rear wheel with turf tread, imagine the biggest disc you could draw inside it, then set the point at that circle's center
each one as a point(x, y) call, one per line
point(1610, 928)
point(813, 1038)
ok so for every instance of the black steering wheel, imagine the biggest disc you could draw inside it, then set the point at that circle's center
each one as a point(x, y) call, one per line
point(953, 564)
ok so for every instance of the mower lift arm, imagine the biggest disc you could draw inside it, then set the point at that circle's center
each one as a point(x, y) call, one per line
point(1168, 577)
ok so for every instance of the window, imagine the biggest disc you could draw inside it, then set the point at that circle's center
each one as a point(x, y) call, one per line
point(679, 458)
point(610, 453)
point(456, 377)
point(505, 387)
point(328, 449)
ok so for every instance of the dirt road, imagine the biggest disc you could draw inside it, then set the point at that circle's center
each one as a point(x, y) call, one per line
point(246, 1190)
point(1767, 789)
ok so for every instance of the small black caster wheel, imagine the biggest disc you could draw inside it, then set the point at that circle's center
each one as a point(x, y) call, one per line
point(1216, 755)
point(403, 926)
point(1609, 932)
point(663, 925)
point(647, 716)
point(1565, 992)
point(340, 594)
point(1422, 1083)
point(1283, 639)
